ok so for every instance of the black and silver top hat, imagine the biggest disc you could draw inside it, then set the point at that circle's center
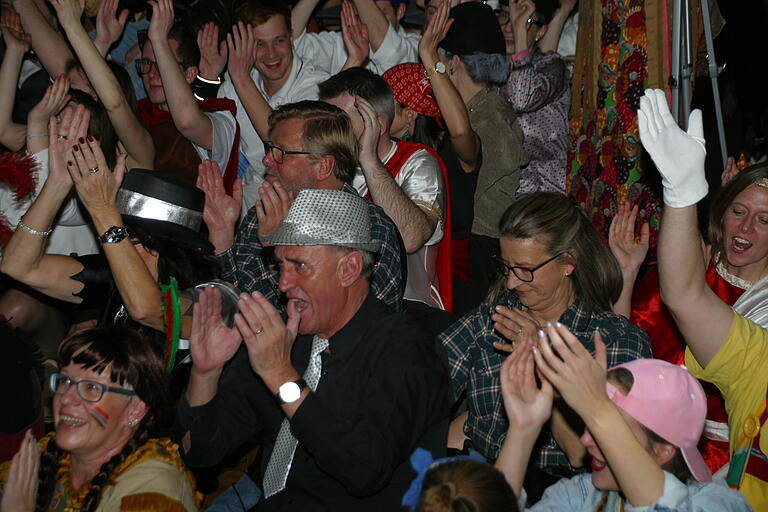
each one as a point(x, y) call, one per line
point(163, 205)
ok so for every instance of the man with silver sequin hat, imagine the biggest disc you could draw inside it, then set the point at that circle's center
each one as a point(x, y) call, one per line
point(341, 392)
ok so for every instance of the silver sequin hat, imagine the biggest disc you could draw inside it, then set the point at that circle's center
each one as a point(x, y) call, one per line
point(326, 217)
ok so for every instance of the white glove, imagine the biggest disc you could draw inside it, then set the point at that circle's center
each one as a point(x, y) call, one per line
point(678, 155)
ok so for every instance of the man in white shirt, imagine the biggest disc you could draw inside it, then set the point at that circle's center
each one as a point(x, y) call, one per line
point(263, 74)
point(389, 43)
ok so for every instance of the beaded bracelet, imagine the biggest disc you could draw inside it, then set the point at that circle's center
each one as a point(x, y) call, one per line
point(37, 136)
point(33, 231)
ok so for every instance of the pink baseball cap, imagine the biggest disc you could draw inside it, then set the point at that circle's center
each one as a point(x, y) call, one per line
point(670, 402)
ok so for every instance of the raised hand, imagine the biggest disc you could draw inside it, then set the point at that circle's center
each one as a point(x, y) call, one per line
point(579, 377)
point(213, 54)
point(13, 32)
point(273, 207)
point(162, 20)
point(54, 99)
point(515, 325)
point(369, 139)
point(20, 490)
point(211, 342)
point(221, 210)
point(95, 184)
point(69, 12)
point(435, 32)
point(627, 247)
point(528, 407)
point(109, 25)
point(355, 35)
point(678, 155)
point(729, 172)
point(71, 124)
point(268, 338)
point(241, 43)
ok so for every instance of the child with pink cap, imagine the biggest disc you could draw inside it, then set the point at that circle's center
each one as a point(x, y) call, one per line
point(643, 421)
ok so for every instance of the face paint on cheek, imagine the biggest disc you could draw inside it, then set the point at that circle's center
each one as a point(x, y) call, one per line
point(101, 417)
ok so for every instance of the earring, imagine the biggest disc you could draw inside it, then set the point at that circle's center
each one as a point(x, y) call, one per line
point(407, 135)
point(131, 423)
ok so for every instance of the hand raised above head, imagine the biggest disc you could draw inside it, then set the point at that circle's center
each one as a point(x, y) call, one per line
point(109, 24)
point(162, 20)
point(13, 32)
point(435, 31)
point(355, 34)
point(211, 342)
point(213, 54)
point(627, 247)
point(96, 186)
point(69, 12)
point(241, 44)
point(678, 155)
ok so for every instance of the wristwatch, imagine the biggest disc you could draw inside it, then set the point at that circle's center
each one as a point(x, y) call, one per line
point(439, 67)
point(290, 391)
point(114, 235)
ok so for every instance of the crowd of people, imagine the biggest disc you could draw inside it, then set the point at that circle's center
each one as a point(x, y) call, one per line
point(341, 265)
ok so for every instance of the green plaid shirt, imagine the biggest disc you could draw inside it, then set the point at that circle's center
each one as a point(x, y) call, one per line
point(243, 265)
point(475, 364)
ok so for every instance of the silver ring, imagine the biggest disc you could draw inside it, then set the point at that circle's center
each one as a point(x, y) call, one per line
point(259, 331)
point(60, 137)
point(93, 170)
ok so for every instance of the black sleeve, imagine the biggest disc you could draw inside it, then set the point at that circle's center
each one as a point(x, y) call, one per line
point(96, 277)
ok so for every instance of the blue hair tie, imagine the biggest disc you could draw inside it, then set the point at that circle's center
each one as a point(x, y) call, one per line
point(421, 462)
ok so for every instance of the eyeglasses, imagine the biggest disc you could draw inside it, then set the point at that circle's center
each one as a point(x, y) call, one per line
point(524, 274)
point(503, 18)
point(88, 390)
point(144, 65)
point(278, 153)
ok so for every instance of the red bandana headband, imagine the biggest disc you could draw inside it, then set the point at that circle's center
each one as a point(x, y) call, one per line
point(412, 89)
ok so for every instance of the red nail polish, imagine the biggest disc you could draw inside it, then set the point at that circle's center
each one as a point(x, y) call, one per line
point(81, 140)
point(69, 162)
point(76, 147)
point(90, 139)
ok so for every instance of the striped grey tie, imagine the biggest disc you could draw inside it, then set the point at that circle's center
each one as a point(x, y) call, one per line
point(285, 446)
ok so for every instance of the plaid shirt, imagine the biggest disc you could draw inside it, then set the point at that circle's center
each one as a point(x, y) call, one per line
point(475, 364)
point(243, 265)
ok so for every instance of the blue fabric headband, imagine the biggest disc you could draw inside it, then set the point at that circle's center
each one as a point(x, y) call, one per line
point(421, 462)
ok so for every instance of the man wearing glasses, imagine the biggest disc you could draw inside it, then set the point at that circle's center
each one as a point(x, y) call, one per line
point(263, 73)
point(311, 145)
point(184, 131)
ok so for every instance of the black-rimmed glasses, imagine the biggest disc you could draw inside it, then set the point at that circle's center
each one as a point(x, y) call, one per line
point(144, 65)
point(503, 18)
point(88, 390)
point(524, 274)
point(278, 153)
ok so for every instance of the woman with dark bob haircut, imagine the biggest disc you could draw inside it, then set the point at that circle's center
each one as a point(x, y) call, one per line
point(553, 267)
point(108, 394)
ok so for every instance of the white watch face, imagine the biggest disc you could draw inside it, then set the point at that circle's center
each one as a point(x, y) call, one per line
point(440, 67)
point(289, 392)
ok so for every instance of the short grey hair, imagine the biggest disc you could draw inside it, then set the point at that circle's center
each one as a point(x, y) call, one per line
point(369, 260)
point(486, 68)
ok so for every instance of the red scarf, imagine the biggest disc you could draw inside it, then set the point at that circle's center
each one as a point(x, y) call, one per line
point(152, 115)
point(403, 152)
